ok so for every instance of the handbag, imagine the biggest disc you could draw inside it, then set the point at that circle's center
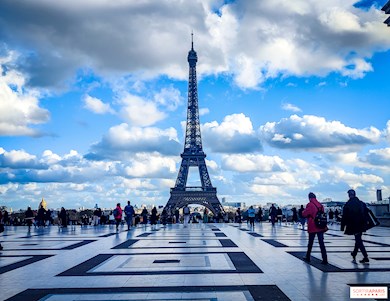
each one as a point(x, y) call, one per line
point(370, 219)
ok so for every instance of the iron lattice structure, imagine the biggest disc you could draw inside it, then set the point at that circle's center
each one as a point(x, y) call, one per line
point(193, 155)
point(386, 9)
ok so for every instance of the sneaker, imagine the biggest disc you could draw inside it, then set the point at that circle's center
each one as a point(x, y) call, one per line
point(365, 260)
point(307, 259)
point(353, 257)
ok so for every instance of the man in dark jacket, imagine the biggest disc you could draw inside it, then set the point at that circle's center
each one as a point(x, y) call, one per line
point(353, 220)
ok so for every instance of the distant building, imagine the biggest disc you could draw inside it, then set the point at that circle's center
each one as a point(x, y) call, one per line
point(379, 195)
point(333, 204)
point(233, 204)
point(386, 9)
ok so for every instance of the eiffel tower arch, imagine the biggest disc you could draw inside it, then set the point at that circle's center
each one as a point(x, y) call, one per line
point(193, 155)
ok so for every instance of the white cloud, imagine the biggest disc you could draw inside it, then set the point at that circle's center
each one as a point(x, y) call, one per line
point(16, 159)
point(357, 68)
point(379, 157)
point(21, 167)
point(123, 140)
point(135, 184)
point(311, 37)
point(169, 97)
point(204, 111)
point(316, 133)
point(140, 112)
point(151, 165)
point(290, 107)
point(339, 19)
point(252, 163)
point(387, 131)
point(354, 180)
point(19, 106)
point(96, 105)
point(234, 135)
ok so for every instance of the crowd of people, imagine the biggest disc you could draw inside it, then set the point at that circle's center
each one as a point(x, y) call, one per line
point(353, 219)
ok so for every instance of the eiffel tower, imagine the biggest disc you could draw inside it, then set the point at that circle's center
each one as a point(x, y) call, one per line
point(193, 155)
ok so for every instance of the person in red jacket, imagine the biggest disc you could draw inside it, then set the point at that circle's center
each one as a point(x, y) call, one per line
point(310, 212)
point(117, 216)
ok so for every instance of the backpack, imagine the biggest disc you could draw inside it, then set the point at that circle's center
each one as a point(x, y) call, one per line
point(320, 220)
point(186, 210)
point(129, 210)
point(115, 212)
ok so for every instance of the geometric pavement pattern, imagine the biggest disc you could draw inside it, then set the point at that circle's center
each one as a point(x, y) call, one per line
point(199, 262)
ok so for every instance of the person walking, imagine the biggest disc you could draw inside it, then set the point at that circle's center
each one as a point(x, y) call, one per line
point(177, 216)
point(273, 213)
point(294, 215)
point(336, 216)
point(353, 221)
point(260, 215)
point(95, 220)
point(129, 213)
point(251, 216)
point(310, 212)
point(164, 217)
point(41, 216)
point(118, 215)
point(29, 216)
point(205, 216)
point(48, 217)
point(302, 219)
point(238, 215)
point(279, 215)
point(153, 217)
point(331, 216)
point(6, 219)
point(186, 213)
point(144, 215)
point(63, 217)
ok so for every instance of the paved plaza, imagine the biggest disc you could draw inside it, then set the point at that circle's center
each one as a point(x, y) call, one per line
point(199, 262)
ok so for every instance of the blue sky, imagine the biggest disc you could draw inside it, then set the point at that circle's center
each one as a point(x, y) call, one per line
point(292, 95)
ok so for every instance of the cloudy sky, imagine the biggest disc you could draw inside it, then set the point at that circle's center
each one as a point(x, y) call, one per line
point(293, 98)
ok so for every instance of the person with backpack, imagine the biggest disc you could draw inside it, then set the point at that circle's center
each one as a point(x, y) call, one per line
point(251, 216)
point(312, 211)
point(354, 222)
point(117, 215)
point(129, 212)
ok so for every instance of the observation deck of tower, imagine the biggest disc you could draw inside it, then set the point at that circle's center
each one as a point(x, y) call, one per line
point(193, 154)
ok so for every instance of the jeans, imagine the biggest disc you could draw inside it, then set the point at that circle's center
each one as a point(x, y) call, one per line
point(320, 236)
point(359, 245)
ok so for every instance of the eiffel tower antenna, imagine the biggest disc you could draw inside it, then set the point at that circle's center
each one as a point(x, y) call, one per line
point(193, 155)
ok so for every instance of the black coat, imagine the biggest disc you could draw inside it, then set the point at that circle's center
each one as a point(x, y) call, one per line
point(353, 218)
